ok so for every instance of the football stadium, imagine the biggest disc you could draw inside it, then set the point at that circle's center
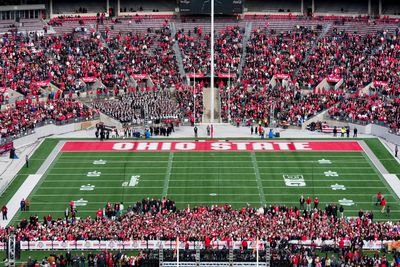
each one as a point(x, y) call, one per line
point(200, 133)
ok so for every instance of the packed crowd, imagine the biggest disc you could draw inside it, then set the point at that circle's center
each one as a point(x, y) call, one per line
point(160, 220)
point(147, 55)
point(285, 104)
point(27, 114)
point(144, 65)
point(375, 108)
point(284, 256)
point(102, 259)
point(195, 46)
point(190, 101)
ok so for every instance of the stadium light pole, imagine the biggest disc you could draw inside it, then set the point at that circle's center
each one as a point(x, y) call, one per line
point(194, 94)
point(229, 95)
point(212, 62)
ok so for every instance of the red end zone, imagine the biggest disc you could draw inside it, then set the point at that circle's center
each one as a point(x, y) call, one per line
point(142, 146)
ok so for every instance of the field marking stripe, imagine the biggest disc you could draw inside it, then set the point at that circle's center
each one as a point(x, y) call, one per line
point(208, 161)
point(196, 180)
point(210, 202)
point(262, 155)
point(208, 173)
point(208, 187)
point(192, 180)
point(219, 167)
point(258, 178)
point(168, 174)
point(207, 194)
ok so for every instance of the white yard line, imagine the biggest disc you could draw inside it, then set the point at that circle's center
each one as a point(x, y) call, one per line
point(208, 161)
point(195, 180)
point(207, 173)
point(206, 187)
point(219, 167)
point(168, 174)
point(211, 202)
point(209, 155)
point(202, 194)
point(258, 178)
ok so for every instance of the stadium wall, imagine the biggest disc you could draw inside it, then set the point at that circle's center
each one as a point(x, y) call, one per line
point(376, 130)
point(50, 130)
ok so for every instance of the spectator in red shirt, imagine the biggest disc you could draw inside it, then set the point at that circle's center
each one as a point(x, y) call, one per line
point(316, 202)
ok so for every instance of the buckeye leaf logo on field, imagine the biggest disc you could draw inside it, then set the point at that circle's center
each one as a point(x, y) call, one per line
point(93, 174)
point(99, 162)
point(87, 187)
point(324, 161)
point(80, 202)
point(346, 202)
point(331, 173)
point(338, 187)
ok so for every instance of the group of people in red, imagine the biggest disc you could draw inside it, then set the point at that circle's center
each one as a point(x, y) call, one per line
point(152, 219)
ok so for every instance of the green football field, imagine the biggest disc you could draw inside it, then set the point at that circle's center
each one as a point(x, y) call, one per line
point(207, 178)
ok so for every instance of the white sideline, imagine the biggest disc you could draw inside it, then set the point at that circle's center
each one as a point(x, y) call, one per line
point(29, 184)
point(22, 193)
point(394, 183)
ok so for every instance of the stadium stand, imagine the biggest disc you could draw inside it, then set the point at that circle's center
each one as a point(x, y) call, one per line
point(140, 6)
point(77, 7)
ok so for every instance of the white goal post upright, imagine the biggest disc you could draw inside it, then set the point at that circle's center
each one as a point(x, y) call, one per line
point(212, 63)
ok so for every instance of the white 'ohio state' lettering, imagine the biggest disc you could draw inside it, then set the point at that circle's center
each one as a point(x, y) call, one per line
point(185, 146)
point(220, 146)
point(283, 146)
point(123, 146)
point(241, 146)
point(147, 146)
point(302, 146)
point(263, 146)
point(166, 146)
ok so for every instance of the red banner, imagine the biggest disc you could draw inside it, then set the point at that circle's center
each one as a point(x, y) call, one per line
point(211, 146)
point(380, 83)
point(282, 76)
point(6, 147)
point(140, 76)
point(41, 83)
point(197, 75)
point(333, 78)
point(89, 79)
point(226, 75)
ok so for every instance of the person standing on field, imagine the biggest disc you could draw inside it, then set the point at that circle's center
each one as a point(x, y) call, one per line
point(302, 201)
point(4, 211)
point(316, 202)
point(378, 199)
point(383, 204)
point(308, 203)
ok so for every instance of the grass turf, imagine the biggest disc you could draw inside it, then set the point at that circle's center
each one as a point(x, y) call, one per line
point(206, 178)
